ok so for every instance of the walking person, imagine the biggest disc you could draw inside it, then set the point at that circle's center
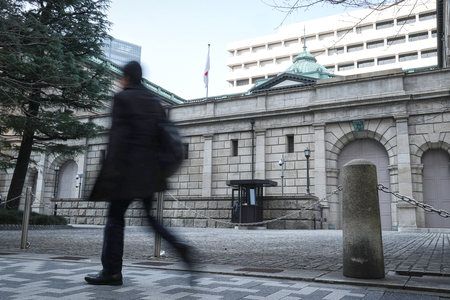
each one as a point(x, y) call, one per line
point(131, 170)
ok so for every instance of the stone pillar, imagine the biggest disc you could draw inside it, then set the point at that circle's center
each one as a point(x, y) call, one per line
point(207, 166)
point(362, 240)
point(406, 212)
point(260, 161)
point(320, 171)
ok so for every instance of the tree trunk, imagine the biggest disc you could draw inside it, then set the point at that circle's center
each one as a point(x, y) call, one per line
point(20, 171)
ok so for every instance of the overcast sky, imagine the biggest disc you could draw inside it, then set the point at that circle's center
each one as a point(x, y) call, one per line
point(174, 36)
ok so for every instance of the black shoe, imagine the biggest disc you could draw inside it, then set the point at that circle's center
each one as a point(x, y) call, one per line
point(104, 279)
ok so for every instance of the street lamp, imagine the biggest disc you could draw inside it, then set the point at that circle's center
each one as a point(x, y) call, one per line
point(307, 155)
point(281, 163)
point(54, 189)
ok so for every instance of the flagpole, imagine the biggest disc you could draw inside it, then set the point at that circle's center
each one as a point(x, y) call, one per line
point(206, 73)
point(207, 86)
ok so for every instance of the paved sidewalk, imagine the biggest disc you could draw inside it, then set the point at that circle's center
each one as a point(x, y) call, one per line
point(43, 276)
point(413, 260)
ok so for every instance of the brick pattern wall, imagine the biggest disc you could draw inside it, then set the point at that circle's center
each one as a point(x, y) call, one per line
point(187, 182)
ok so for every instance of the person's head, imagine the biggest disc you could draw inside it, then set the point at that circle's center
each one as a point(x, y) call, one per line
point(132, 73)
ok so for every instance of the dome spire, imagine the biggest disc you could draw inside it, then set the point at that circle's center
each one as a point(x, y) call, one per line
point(306, 64)
point(304, 38)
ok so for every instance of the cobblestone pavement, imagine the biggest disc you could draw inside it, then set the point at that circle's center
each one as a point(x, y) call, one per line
point(421, 253)
point(46, 277)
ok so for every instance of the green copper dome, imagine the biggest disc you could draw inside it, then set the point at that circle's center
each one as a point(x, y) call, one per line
point(306, 64)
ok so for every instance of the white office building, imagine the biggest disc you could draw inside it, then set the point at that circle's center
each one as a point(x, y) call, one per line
point(367, 40)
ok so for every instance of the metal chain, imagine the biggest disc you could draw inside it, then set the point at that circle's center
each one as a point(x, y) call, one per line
point(42, 202)
point(335, 192)
point(13, 198)
point(426, 207)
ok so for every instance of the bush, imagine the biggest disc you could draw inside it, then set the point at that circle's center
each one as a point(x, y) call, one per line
point(15, 217)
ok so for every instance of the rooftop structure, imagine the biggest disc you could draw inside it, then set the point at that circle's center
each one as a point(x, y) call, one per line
point(403, 36)
point(121, 52)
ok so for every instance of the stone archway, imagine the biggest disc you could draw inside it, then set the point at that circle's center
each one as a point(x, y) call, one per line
point(436, 186)
point(374, 152)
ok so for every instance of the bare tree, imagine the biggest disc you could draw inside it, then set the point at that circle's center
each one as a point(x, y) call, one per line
point(290, 6)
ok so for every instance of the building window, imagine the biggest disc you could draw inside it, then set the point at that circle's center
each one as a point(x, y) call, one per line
point(317, 53)
point(383, 25)
point(354, 48)
point(418, 36)
point(361, 29)
point(243, 51)
point(102, 156)
point(346, 67)
point(335, 51)
point(427, 16)
point(234, 148)
point(406, 20)
point(345, 32)
point(236, 68)
point(326, 36)
point(434, 33)
point(290, 143)
point(250, 66)
point(386, 60)
point(396, 40)
point(308, 39)
point(406, 57)
point(257, 49)
point(264, 63)
point(241, 82)
point(367, 63)
point(255, 79)
point(330, 69)
point(429, 53)
point(283, 60)
point(274, 45)
point(185, 150)
point(375, 44)
point(290, 43)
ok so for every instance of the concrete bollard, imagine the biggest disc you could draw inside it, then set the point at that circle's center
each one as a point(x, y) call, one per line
point(362, 241)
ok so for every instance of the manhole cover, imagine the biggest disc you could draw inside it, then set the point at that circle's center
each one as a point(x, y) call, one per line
point(69, 257)
point(151, 263)
point(260, 270)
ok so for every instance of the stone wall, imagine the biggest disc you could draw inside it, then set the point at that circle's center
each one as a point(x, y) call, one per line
point(175, 214)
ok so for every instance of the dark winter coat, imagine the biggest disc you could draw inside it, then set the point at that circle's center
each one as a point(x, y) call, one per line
point(131, 167)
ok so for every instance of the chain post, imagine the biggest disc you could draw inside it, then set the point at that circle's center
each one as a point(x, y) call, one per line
point(159, 219)
point(25, 220)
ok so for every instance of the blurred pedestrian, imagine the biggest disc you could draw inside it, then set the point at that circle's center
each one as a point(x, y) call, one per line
point(131, 170)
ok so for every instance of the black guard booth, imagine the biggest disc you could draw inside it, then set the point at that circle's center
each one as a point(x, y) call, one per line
point(247, 199)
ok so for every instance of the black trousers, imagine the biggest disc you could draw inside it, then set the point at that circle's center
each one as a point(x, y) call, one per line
point(113, 241)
